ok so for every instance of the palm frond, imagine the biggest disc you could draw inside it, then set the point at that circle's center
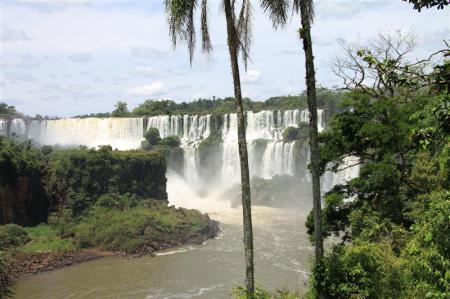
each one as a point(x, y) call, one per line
point(190, 32)
point(310, 8)
point(244, 30)
point(206, 41)
point(277, 10)
point(180, 17)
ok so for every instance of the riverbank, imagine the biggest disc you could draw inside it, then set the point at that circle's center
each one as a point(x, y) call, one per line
point(208, 271)
point(128, 230)
point(23, 264)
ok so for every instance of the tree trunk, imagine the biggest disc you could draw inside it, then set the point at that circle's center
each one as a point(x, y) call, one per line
point(243, 155)
point(305, 34)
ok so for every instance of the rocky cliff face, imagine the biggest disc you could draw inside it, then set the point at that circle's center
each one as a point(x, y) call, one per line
point(33, 184)
point(24, 202)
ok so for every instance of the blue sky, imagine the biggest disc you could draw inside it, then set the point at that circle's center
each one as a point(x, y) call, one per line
point(74, 57)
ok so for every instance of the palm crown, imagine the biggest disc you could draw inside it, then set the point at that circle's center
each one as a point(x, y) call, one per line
point(181, 19)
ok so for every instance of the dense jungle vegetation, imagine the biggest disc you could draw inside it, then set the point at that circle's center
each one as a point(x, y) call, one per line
point(393, 219)
point(59, 201)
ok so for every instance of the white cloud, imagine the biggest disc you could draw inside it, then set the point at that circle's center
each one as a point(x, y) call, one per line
point(144, 70)
point(23, 61)
point(155, 88)
point(81, 58)
point(147, 52)
point(8, 34)
point(131, 50)
point(251, 76)
point(19, 77)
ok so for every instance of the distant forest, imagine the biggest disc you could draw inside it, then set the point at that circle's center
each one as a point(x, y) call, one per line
point(327, 99)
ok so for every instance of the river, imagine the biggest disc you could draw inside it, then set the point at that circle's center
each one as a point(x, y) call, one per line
point(282, 258)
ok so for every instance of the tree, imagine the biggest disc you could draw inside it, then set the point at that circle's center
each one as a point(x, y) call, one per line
point(180, 16)
point(307, 13)
point(419, 4)
point(152, 136)
point(121, 109)
point(395, 120)
point(278, 10)
point(382, 68)
point(8, 110)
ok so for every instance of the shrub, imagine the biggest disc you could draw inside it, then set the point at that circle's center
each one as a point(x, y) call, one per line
point(296, 133)
point(152, 136)
point(146, 146)
point(132, 228)
point(12, 235)
point(290, 134)
point(6, 278)
point(116, 201)
point(45, 238)
point(363, 270)
point(427, 255)
point(63, 221)
point(171, 141)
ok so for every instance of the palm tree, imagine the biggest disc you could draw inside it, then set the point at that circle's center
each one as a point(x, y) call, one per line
point(278, 11)
point(306, 8)
point(180, 16)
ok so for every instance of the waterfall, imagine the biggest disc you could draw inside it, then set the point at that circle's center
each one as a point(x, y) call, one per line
point(268, 154)
point(14, 127)
point(190, 128)
point(120, 133)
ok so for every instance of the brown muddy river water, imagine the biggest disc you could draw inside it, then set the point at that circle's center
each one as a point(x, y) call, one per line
point(282, 257)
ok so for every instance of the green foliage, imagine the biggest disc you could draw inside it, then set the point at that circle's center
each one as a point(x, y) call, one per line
point(361, 270)
point(290, 134)
point(121, 109)
point(8, 111)
point(76, 178)
point(392, 218)
point(170, 141)
point(296, 133)
point(427, 255)
point(419, 4)
point(21, 173)
point(260, 293)
point(12, 235)
point(326, 99)
point(45, 238)
point(124, 223)
point(6, 278)
point(152, 136)
point(168, 147)
point(131, 227)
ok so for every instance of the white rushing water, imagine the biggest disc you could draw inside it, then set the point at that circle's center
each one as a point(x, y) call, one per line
point(269, 155)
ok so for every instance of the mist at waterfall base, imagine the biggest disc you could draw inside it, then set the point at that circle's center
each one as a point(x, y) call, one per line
point(278, 169)
point(272, 161)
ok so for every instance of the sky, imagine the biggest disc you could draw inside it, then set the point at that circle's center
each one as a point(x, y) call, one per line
point(72, 57)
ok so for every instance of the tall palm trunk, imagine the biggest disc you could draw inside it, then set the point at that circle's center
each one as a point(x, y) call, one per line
point(243, 155)
point(305, 34)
